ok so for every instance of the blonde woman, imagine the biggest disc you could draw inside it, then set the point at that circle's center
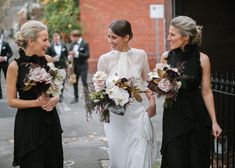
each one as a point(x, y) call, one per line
point(188, 123)
point(37, 133)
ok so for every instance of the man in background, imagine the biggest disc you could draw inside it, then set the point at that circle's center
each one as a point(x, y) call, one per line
point(79, 54)
point(58, 51)
point(5, 54)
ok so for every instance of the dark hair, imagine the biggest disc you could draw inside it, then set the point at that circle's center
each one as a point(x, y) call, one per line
point(121, 28)
point(76, 32)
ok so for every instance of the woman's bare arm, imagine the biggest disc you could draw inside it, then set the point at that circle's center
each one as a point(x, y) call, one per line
point(207, 93)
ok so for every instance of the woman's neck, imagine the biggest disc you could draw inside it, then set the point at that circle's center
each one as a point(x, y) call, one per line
point(124, 49)
point(28, 52)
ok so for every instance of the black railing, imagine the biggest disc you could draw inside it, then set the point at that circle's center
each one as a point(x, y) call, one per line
point(223, 149)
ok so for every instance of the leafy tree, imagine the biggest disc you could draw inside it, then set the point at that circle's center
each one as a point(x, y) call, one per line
point(61, 16)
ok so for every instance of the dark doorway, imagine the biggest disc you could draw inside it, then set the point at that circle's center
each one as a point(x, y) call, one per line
point(218, 23)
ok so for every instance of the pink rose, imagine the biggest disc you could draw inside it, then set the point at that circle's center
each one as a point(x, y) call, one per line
point(99, 85)
point(39, 74)
point(165, 85)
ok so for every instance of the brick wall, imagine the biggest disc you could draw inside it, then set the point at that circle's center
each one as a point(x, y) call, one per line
point(96, 15)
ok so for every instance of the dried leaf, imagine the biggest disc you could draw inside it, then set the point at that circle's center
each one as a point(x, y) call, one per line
point(161, 73)
point(27, 87)
point(137, 97)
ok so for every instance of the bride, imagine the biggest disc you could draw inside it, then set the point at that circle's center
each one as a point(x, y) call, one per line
point(131, 136)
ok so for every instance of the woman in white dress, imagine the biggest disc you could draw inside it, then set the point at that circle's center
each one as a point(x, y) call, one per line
point(131, 136)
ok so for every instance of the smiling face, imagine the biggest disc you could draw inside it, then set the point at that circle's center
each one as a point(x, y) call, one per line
point(117, 42)
point(40, 44)
point(176, 39)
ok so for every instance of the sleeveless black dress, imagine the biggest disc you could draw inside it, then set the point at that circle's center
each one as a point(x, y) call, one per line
point(37, 133)
point(186, 124)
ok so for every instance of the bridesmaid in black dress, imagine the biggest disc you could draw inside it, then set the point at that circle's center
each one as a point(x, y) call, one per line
point(188, 123)
point(37, 133)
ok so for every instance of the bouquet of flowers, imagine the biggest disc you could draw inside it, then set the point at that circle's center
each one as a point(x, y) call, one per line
point(112, 96)
point(48, 80)
point(165, 80)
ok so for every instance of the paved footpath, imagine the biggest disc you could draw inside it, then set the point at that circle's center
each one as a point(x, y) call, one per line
point(84, 142)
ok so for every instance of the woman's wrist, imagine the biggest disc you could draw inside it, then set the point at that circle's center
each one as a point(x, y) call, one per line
point(37, 103)
point(56, 98)
point(214, 121)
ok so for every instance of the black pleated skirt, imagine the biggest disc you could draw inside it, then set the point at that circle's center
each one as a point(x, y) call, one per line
point(186, 151)
point(37, 139)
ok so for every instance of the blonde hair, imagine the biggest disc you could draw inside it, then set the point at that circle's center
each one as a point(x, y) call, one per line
point(188, 27)
point(29, 30)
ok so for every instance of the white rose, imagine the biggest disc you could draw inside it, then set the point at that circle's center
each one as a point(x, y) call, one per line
point(152, 75)
point(100, 75)
point(159, 66)
point(120, 96)
point(179, 84)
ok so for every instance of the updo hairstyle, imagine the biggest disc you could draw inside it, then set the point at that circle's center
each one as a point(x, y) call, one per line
point(188, 26)
point(29, 30)
point(121, 28)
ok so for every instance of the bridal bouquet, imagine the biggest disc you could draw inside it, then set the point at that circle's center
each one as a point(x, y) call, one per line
point(48, 80)
point(112, 96)
point(165, 80)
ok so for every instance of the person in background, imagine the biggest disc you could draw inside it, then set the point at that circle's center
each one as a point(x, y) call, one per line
point(58, 51)
point(5, 54)
point(37, 130)
point(79, 54)
point(131, 136)
point(189, 121)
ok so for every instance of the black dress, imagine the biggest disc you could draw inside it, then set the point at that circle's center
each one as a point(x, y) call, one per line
point(37, 133)
point(186, 124)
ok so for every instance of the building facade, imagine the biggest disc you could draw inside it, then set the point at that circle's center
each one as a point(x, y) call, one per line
point(95, 17)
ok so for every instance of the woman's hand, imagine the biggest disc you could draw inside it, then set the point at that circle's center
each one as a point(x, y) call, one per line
point(43, 99)
point(151, 110)
point(216, 130)
point(51, 103)
point(49, 59)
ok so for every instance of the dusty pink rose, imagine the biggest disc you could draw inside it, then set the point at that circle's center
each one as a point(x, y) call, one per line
point(165, 85)
point(39, 74)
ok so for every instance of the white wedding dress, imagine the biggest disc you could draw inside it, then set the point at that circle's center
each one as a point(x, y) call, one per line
point(130, 137)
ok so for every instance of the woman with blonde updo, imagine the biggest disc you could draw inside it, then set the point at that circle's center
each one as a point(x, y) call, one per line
point(37, 132)
point(188, 123)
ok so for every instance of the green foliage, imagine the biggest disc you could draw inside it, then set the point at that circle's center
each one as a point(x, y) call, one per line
point(61, 16)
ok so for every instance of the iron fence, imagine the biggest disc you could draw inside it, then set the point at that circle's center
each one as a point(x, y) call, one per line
point(223, 149)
